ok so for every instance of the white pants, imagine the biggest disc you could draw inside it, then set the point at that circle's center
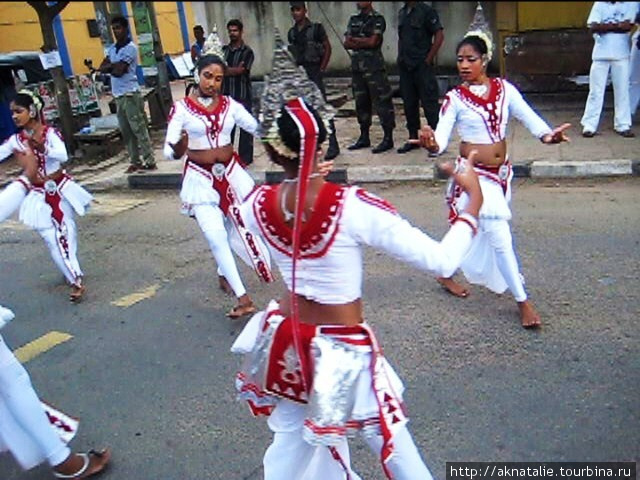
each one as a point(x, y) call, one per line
point(634, 73)
point(597, 85)
point(211, 222)
point(24, 427)
point(64, 256)
point(289, 457)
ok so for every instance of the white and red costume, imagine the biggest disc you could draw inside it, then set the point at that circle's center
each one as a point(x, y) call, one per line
point(491, 261)
point(352, 388)
point(25, 423)
point(50, 211)
point(212, 194)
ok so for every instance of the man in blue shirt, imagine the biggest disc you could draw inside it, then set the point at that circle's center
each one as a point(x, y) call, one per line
point(121, 63)
point(196, 47)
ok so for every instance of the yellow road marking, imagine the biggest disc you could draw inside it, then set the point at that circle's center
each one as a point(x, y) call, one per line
point(41, 345)
point(136, 297)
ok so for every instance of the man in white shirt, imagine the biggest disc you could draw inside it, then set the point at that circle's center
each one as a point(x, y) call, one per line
point(610, 23)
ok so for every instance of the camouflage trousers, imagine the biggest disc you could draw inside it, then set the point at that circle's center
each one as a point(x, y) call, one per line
point(371, 88)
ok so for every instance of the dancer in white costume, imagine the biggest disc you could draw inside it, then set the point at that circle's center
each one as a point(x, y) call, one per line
point(481, 107)
point(25, 429)
point(47, 196)
point(215, 181)
point(312, 364)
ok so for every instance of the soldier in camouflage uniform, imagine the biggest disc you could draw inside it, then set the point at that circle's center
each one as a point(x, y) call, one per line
point(309, 45)
point(370, 82)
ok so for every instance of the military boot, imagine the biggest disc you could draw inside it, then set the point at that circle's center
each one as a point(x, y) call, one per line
point(362, 142)
point(334, 149)
point(386, 143)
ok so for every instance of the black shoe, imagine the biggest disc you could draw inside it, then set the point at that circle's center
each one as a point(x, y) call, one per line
point(152, 166)
point(360, 143)
point(407, 147)
point(332, 152)
point(383, 146)
point(588, 134)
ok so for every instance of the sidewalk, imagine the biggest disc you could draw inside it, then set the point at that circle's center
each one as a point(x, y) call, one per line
point(606, 154)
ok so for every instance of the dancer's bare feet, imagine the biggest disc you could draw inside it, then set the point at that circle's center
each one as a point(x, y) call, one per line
point(83, 465)
point(245, 307)
point(77, 291)
point(224, 285)
point(528, 315)
point(453, 287)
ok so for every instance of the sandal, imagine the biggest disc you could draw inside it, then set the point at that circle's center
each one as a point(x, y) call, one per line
point(241, 310)
point(93, 462)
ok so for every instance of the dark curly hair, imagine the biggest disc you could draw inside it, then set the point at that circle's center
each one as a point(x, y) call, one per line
point(206, 60)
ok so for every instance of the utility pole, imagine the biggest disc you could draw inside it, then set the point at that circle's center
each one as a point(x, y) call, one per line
point(46, 15)
point(162, 84)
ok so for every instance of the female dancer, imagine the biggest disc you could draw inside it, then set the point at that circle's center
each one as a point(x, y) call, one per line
point(481, 107)
point(214, 180)
point(312, 363)
point(46, 194)
point(24, 428)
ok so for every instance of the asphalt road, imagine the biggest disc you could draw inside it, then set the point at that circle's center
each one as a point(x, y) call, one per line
point(152, 376)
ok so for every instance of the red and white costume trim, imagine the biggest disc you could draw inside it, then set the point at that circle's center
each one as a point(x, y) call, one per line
point(219, 188)
point(364, 393)
point(50, 213)
point(491, 260)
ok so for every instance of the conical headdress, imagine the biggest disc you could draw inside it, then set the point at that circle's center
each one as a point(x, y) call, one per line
point(480, 28)
point(213, 45)
point(287, 81)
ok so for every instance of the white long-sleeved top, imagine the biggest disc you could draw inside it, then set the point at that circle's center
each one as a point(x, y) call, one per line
point(49, 161)
point(344, 219)
point(483, 121)
point(206, 129)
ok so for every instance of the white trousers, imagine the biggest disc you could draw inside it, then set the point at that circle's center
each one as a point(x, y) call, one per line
point(24, 427)
point(289, 457)
point(634, 73)
point(597, 85)
point(64, 256)
point(211, 222)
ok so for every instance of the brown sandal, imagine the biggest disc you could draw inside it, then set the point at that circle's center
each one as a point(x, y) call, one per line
point(241, 310)
point(94, 463)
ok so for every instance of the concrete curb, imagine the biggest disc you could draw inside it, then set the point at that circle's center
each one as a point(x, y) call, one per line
point(537, 169)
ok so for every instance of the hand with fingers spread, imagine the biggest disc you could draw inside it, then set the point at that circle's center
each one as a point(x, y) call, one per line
point(557, 135)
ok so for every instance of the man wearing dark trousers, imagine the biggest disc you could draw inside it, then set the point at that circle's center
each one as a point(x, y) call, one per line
point(237, 81)
point(369, 76)
point(309, 45)
point(420, 36)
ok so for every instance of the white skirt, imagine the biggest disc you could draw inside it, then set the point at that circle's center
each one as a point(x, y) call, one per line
point(36, 212)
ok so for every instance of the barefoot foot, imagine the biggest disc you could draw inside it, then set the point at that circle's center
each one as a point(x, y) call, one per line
point(224, 285)
point(453, 287)
point(528, 315)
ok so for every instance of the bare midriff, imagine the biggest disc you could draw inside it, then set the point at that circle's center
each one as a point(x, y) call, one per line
point(314, 313)
point(211, 155)
point(491, 154)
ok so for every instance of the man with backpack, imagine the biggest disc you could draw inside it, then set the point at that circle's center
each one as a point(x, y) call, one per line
point(310, 47)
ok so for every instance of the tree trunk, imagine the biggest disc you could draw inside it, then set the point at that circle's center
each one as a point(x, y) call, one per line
point(46, 14)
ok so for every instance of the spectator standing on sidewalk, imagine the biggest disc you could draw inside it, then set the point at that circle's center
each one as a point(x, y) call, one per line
point(237, 81)
point(420, 36)
point(196, 47)
point(610, 23)
point(369, 76)
point(309, 45)
point(121, 63)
